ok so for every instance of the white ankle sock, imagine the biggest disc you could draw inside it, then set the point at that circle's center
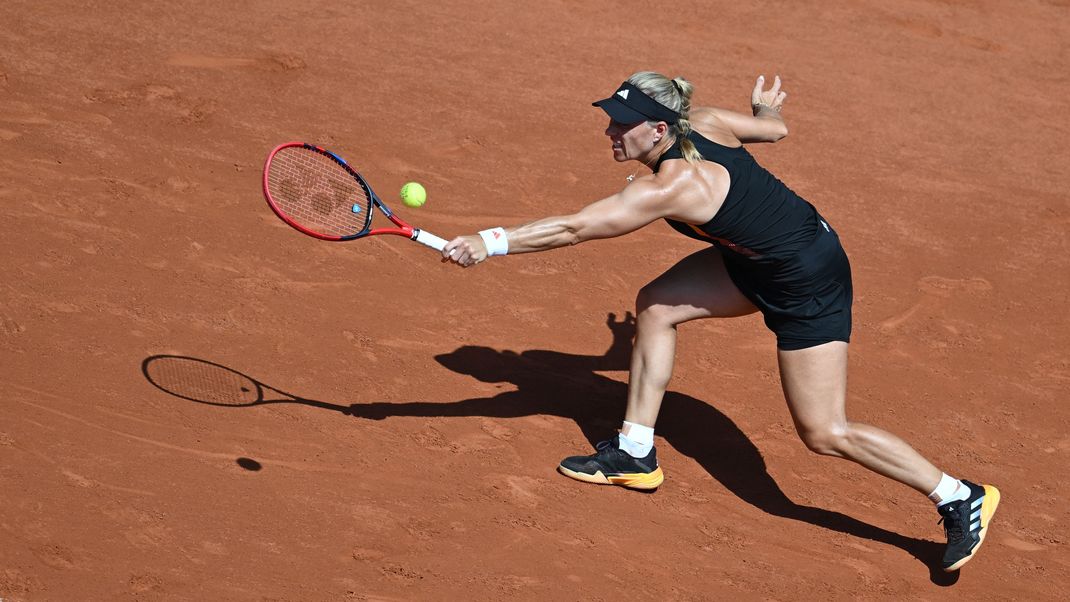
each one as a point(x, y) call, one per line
point(636, 439)
point(949, 490)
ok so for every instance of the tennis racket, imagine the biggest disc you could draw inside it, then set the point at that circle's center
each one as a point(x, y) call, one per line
point(319, 194)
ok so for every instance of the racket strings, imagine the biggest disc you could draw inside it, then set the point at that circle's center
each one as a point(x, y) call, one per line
point(202, 381)
point(317, 193)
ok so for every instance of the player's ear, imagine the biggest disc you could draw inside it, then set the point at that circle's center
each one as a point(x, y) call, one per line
point(659, 131)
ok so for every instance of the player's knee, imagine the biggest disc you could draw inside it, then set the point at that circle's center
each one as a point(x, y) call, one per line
point(827, 440)
point(650, 310)
point(644, 299)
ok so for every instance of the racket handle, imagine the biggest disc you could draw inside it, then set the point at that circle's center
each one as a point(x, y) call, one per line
point(426, 238)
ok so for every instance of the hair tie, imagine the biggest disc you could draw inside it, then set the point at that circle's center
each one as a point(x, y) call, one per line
point(679, 90)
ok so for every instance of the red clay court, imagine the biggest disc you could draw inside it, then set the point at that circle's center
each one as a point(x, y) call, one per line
point(411, 414)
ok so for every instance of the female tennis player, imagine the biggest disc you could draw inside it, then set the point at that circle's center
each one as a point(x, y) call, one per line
point(771, 251)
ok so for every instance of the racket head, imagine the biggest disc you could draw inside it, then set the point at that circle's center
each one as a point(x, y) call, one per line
point(316, 192)
point(201, 381)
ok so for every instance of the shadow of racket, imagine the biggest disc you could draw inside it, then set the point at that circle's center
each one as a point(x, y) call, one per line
point(213, 384)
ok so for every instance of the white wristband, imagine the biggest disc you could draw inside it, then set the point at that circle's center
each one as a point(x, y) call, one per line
point(496, 241)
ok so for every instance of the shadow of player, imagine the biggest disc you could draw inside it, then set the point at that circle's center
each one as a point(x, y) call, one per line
point(568, 386)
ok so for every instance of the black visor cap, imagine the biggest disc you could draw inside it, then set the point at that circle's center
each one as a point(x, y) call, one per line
point(630, 105)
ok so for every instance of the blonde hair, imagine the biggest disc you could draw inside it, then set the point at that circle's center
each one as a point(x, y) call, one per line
point(675, 94)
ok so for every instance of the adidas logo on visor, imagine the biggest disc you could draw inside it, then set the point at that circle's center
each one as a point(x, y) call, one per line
point(623, 94)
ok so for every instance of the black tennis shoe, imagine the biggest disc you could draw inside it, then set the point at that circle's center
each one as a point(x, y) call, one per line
point(966, 522)
point(613, 466)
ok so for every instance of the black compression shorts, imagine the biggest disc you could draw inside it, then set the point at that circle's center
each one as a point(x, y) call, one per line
point(806, 298)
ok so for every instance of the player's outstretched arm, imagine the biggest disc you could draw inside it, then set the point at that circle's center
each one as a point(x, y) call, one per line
point(639, 204)
point(765, 125)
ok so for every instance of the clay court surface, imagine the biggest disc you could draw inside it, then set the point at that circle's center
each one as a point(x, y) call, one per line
point(413, 413)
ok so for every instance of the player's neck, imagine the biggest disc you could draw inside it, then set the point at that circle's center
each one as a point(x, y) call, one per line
point(650, 159)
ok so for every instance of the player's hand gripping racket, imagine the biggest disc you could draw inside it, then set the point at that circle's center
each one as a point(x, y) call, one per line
point(319, 194)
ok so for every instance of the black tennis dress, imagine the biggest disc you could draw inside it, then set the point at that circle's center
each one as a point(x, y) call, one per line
point(779, 252)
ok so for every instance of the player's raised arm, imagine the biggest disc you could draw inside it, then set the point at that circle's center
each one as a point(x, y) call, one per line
point(765, 125)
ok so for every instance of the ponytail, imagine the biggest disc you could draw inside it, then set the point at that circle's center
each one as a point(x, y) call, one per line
point(683, 126)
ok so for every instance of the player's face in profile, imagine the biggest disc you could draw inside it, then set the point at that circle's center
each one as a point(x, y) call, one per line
point(629, 140)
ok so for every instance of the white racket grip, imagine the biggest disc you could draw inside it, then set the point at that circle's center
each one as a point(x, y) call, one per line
point(426, 238)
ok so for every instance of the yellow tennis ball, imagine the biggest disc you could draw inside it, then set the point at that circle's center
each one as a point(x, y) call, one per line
point(413, 194)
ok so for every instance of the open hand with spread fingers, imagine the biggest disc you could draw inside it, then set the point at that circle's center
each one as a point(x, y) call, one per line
point(772, 98)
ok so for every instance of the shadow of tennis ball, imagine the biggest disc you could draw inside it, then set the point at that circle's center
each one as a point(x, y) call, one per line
point(249, 464)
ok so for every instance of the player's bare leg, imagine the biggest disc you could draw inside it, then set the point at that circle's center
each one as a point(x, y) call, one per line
point(815, 387)
point(696, 287)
